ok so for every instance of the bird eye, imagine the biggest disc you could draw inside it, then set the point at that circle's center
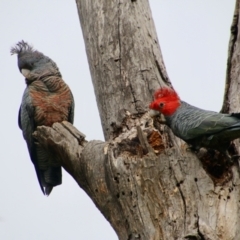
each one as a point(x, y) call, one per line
point(161, 105)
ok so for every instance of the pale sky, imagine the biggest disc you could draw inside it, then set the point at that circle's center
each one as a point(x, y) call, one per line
point(193, 36)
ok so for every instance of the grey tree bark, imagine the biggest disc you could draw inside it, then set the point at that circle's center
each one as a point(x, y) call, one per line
point(142, 178)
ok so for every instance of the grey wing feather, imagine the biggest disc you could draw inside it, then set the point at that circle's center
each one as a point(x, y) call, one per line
point(26, 123)
point(19, 118)
point(216, 123)
point(71, 111)
point(192, 122)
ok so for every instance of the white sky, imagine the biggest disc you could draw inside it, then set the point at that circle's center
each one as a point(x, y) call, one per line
point(194, 39)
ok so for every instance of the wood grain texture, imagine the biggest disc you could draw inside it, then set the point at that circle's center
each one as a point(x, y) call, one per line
point(144, 180)
point(124, 58)
point(232, 73)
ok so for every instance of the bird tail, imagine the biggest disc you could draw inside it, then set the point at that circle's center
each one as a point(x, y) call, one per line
point(52, 177)
point(47, 190)
point(48, 170)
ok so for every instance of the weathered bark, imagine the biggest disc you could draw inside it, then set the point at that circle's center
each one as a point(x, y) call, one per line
point(231, 97)
point(143, 179)
point(124, 58)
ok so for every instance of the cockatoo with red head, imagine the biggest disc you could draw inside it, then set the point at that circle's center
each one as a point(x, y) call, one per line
point(197, 127)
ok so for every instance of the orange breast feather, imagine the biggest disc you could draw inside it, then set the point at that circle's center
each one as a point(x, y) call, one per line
point(51, 107)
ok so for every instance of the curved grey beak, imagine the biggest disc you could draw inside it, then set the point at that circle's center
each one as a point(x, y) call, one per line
point(153, 113)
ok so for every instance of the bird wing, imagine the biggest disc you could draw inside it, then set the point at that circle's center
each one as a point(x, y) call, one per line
point(26, 123)
point(197, 122)
point(71, 110)
point(19, 118)
point(214, 123)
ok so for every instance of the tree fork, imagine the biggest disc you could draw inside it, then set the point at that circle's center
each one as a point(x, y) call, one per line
point(143, 179)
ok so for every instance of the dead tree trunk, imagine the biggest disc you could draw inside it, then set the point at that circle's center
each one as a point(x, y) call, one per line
point(143, 180)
